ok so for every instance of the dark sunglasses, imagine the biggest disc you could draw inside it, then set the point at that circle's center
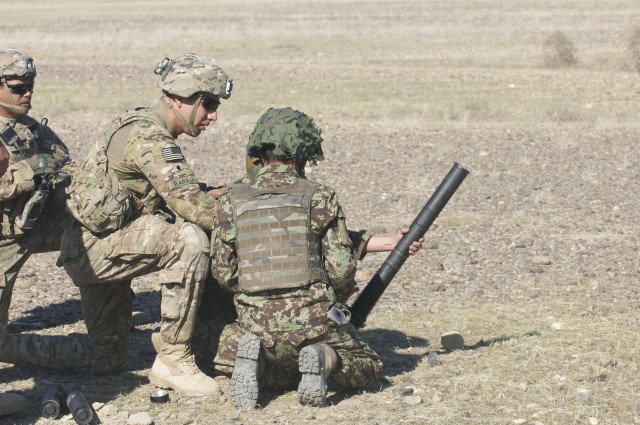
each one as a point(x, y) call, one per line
point(21, 89)
point(210, 104)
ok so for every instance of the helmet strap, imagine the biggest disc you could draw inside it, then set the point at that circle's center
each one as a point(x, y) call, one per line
point(190, 129)
point(12, 106)
point(192, 120)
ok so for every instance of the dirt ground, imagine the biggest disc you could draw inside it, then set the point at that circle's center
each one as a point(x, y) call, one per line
point(534, 261)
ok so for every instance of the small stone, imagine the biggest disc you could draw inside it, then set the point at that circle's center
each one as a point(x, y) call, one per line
point(519, 421)
point(141, 418)
point(536, 270)
point(139, 318)
point(452, 340)
point(437, 397)
point(24, 284)
point(585, 395)
point(608, 362)
point(540, 260)
point(97, 405)
point(412, 400)
point(402, 391)
point(433, 359)
point(601, 377)
point(434, 266)
point(109, 410)
point(592, 420)
point(557, 326)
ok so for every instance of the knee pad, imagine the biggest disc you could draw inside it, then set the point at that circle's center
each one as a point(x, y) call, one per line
point(195, 236)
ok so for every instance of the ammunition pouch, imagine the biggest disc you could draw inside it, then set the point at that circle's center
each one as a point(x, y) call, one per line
point(97, 199)
point(33, 208)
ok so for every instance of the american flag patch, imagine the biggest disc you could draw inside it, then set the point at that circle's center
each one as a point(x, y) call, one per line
point(172, 153)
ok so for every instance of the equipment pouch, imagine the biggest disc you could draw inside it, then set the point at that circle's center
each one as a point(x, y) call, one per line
point(96, 198)
point(32, 209)
point(9, 135)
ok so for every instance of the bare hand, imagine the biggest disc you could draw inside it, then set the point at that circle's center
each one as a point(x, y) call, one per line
point(415, 246)
point(217, 192)
point(216, 189)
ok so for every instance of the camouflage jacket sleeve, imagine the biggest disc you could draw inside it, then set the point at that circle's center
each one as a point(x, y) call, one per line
point(359, 238)
point(340, 259)
point(160, 159)
point(224, 259)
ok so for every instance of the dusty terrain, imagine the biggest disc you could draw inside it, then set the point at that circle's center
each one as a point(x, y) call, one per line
point(534, 261)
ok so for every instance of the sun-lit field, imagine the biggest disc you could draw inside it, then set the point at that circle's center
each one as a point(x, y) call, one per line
point(535, 260)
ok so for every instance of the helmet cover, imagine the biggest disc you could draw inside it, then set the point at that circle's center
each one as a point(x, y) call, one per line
point(287, 133)
point(17, 64)
point(190, 74)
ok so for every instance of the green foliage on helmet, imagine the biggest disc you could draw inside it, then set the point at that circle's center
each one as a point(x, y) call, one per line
point(17, 64)
point(190, 74)
point(287, 133)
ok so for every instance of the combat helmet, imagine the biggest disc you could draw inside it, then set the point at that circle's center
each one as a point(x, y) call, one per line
point(288, 133)
point(190, 74)
point(16, 64)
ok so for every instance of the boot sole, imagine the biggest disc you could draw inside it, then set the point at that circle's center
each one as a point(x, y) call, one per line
point(312, 390)
point(244, 380)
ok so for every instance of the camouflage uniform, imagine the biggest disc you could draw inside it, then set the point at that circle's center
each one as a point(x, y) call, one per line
point(33, 149)
point(145, 159)
point(17, 186)
point(149, 242)
point(287, 319)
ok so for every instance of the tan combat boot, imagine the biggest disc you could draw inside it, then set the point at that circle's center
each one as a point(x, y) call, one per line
point(176, 369)
point(316, 362)
point(246, 373)
point(11, 403)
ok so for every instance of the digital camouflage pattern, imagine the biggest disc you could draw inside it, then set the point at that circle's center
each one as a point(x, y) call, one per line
point(190, 74)
point(16, 187)
point(288, 133)
point(16, 64)
point(286, 320)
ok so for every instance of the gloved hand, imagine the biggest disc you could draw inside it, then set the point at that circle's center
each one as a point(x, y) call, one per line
point(42, 164)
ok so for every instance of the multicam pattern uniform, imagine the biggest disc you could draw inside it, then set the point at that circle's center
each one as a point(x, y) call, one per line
point(286, 320)
point(16, 187)
point(145, 158)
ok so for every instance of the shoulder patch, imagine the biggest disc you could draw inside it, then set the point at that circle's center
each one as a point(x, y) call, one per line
point(172, 153)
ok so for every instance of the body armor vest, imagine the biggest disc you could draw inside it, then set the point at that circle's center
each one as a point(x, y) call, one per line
point(27, 139)
point(97, 199)
point(275, 245)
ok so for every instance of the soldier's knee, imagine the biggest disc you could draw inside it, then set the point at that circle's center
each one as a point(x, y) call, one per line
point(195, 237)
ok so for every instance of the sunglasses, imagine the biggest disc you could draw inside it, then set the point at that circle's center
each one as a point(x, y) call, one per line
point(209, 103)
point(21, 89)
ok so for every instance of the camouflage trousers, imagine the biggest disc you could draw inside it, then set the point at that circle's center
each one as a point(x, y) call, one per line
point(359, 364)
point(102, 268)
point(14, 253)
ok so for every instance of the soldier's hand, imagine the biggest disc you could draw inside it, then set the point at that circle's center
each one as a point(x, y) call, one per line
point(216, 193)
point(42, 164)
point(216, 189)
point(415, 246)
